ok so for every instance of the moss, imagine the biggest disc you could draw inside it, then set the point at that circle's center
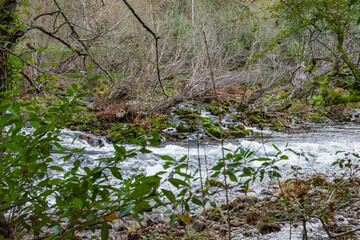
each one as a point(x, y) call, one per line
point(236, 127)
point(206, 120)
point(237, 118)
point(255, 119)
point(187, 111)
point(213, 131)
point(188, 117)
point(215, 110)
point(240, 107)
point(277, 126)
point(238, 134)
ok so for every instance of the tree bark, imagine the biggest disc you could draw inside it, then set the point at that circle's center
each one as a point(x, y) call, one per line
point(7, 15)
point(7, 38)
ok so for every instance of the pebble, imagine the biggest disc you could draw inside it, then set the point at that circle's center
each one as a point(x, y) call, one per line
point(357, 204)
point(249, 201)
point(266, 192)
point(353, 221)
point(246, 227)
point(216, 227)
point(198, 226)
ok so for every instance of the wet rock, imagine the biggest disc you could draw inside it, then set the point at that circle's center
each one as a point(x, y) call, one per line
point(198, 226)
point(266, 192)
point(269, 228)
point(249, 201)
point(181, 128)
point(95, 142)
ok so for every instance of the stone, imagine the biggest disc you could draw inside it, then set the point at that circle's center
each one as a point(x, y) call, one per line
point(266, 192)
point(216, 227)
point(274, 199)
point(249, 201)
point(353, 221)
point(357, 204)
point(246, 227)
point(198, 226)
point(269, 228)
point(77, 237)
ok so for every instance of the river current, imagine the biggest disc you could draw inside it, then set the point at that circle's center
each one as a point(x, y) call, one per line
point(318, 146)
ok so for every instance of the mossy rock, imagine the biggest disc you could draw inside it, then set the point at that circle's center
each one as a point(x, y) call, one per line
point(277, 126)
point(206, 120)
point(237, 118)
point(255, 119)
point(182, 112)
point(214, 214)
point(236, 127)
point(213, 131)
point(238, 134)
point(240, 107)
point(181, 128)
point(188, 117)
point(214, 110)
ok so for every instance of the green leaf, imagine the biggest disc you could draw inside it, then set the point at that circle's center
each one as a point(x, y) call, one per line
point(69, 92)
point(155, 123)
point(56, 181)
point(352, 2)
point(105, 231)
point(218, 167)
point(115, 172)
point(93, 79)
point(75, 87)
point(78, 202)
point(274, 174)
point(232, 177)
point(125, 210)
point(57, 168)
point(197, 201)
point(177, 182)
point(167, 158)
point(276, 148)
point(172, 220)
point(90, 217)
point(213, 204)
point(90, 68)
point(144, 150)
point(170, 195)
point(12, 146)
point(151, 180)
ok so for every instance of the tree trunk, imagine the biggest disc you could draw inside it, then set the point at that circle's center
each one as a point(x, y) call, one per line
point(3, 72)
point(7, 38)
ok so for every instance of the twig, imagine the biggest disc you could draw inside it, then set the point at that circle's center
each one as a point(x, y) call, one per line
point(156, 43)
point(221, 133)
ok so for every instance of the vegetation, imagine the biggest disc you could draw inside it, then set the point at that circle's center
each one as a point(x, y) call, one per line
point(117, 68)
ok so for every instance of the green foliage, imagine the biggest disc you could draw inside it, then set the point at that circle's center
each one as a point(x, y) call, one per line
point(329, 19)
point(80, 198)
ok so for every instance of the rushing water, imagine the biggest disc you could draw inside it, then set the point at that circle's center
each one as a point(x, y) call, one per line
point(317, 145)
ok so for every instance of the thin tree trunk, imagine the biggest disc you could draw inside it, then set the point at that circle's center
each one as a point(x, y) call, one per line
point(3, 72)
point(7, 15)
